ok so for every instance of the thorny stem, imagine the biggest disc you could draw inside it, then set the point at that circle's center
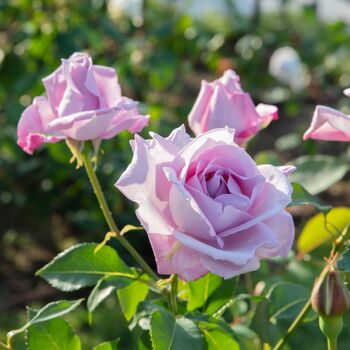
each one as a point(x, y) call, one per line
point(108, 216)
point(332, 256)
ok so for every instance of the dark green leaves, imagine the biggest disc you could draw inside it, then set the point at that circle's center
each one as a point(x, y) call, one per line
point(47, 313)
point(221, 297)
point(79, 267)
point(301, 196)
point(317, 173)
point(104, 288)
point(109, 345)
point(210, 293)
point(344, 262)
point(286, 300)
point(217, 338)
point(52, 335)
point(170, 333)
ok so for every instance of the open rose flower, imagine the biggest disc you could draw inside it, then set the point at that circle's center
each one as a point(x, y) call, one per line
point(224, 103)
point(329, 124)
point(206, 205)
point(84, 102)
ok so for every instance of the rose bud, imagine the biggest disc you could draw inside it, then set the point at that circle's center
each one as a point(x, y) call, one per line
point(223, 103)
point(330, 297)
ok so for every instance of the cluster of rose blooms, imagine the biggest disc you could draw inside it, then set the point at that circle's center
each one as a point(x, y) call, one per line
point(205, 204)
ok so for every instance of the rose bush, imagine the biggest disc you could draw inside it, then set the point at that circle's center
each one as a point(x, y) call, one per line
point(224, 103)
point(84, 102)
point(206, 205)
point(329, 124)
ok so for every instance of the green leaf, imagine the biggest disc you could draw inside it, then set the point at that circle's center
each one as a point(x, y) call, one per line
point(217, 338)
point(200, 290)
point(109, 345)
point(104, 288)
point(49, 312)
point(217, 333)
point(247, 339)
point(262, 326)
point(52, 335)
point(170, 333)
point(319, 172)
point(221, 296)
point(131, 296)
point(344, 262)
point(302, 197)
point(317, 230)
point(79, 267)
point(286, 301)
point(288, 142)
point(144, 341)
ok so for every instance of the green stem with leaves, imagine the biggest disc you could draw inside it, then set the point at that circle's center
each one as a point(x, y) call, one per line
point(294, 325)
point(108, 216)
point(337, 245)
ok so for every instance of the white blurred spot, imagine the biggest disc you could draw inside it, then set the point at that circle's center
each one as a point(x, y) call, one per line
point(285, 66)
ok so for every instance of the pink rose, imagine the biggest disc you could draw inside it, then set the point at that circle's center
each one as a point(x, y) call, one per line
point(84, 102)
point(224, 103)
point(206, 205)
point(329, 124)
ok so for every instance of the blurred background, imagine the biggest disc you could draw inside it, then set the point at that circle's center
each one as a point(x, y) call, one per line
point(294, 54)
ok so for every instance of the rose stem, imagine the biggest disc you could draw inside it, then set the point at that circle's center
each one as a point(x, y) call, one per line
point(173, 293)
point(336, 247)
point(108, 216)
point(3, 346)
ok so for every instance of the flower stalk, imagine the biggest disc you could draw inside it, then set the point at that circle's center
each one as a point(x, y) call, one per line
point(108, 215)
point(173, 293)
point(337, 246)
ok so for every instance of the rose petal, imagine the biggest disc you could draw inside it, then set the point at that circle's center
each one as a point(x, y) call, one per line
point(282, 224)
point(185, 211)
point(103, 123)
point(267, 113)
point(55, 85)
point(107, 85)
point(199, 112)
point(228, 270)
point(221, 217)
point(32, 130)
point(329, 124)
point(184, 262)
point(239, 249)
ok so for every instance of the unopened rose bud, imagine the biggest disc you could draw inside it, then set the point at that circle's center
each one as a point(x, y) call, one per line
point(330, 297)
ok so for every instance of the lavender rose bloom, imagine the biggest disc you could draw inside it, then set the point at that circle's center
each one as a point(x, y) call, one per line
point(84, 102)
point(224, 103)
point(206, 205)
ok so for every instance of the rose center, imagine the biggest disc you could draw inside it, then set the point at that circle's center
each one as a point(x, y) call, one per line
point(221, 182)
